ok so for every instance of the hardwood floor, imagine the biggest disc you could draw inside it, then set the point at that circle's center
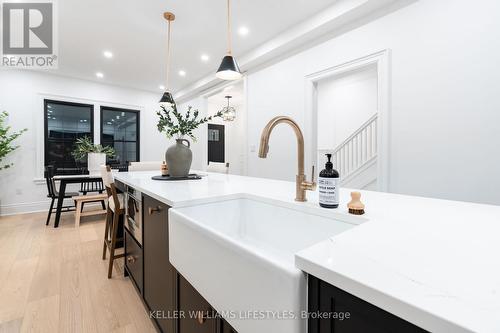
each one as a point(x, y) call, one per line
point(54, 280)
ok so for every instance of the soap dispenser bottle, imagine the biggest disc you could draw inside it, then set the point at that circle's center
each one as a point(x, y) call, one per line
point(328, 184)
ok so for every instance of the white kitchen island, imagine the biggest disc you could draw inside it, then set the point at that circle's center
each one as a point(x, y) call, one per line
point(434, 263)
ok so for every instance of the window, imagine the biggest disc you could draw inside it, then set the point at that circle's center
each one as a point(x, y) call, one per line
point(120, 129)
point(64, 123)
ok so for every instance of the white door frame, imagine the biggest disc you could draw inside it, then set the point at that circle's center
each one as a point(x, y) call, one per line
point(382, 60)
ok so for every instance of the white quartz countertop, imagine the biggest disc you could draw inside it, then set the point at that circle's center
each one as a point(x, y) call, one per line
point(435, 263)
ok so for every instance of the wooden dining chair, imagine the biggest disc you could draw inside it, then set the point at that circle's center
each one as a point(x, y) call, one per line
point(80, 200)
point(53, 194)
point(94, 186)
point(115, 210)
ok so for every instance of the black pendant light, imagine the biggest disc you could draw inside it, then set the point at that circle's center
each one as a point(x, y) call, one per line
point(228, 69)
point(167, 99)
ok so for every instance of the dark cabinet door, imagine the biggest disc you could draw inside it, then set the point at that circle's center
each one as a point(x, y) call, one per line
point(199, 317)
point(226, 328)
point(159, 274)
point(133, 260)
point(333, 304)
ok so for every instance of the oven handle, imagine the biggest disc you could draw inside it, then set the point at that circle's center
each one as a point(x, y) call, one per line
point(135, 205)
point(152, 210)
point(132, 221)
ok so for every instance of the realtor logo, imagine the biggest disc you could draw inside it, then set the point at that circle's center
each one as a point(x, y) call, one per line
point(28, 38)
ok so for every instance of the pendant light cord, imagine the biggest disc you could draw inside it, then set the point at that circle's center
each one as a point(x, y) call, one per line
point(168, 56)
point(229, 47)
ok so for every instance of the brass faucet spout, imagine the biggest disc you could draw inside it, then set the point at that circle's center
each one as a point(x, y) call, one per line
point(301, 184)
point(264, 148)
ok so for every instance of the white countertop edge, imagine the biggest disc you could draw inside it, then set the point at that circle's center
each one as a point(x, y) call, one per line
point(408, 312)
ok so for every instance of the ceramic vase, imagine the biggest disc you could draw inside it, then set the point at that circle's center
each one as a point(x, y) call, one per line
point(94, 161)
point(179, 158)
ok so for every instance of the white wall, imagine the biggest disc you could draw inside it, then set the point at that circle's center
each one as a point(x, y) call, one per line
point(22, 94)
point(344, 103)
point(445, 119)
point(198, 146)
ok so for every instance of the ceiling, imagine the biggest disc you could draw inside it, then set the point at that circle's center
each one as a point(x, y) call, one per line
point(135, 32)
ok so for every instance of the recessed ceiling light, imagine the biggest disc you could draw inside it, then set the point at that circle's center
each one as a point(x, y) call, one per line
point(243, 31)
point(99, 75)
point(182, 73)
point(204, 58)
point(49, 106)
point(162, 87)
point(108, 54)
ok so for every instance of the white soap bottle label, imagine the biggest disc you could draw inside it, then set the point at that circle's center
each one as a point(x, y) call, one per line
point(328, 191)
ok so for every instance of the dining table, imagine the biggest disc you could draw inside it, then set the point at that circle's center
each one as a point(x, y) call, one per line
point(64, 180)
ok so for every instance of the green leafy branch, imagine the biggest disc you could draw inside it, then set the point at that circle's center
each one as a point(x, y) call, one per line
point(174, 124)
point(6, 139)
point(84, 145)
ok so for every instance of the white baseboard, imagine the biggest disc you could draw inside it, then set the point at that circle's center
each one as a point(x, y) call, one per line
point(24, 207)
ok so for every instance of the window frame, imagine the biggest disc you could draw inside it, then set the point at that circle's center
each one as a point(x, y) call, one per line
point(103, 108)
point(46, 102)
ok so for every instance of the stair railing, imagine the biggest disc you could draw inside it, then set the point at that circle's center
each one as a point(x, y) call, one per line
point(357, 150)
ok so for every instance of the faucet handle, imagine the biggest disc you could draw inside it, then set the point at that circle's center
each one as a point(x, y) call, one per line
point(309, 186)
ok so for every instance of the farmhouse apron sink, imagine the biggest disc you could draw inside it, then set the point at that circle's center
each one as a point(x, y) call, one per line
point(239, 255)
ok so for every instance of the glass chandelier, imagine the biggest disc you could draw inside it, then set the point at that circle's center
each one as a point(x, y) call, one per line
point(228, 112)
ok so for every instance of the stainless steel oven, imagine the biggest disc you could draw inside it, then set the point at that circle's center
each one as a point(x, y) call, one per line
point(133, 209)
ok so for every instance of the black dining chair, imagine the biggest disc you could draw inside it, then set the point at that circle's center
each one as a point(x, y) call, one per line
point(54, 194)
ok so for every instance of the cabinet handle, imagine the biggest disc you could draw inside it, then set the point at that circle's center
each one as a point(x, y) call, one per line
point(153, 210)
point(130, 259)
point(201, 317)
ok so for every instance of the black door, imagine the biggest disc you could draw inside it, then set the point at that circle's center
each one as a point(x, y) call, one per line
point(216, 143)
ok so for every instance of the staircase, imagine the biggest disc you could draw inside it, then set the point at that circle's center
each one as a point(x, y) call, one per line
point(356, 157)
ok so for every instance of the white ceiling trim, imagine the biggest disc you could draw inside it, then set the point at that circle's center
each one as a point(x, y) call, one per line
point(340, 14)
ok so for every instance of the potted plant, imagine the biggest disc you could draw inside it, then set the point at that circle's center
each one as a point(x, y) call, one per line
point(178, 126)
point(95, 154)
point(6, 140)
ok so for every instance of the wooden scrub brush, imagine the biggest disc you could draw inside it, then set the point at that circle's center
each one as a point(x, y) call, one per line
point(356, 207)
